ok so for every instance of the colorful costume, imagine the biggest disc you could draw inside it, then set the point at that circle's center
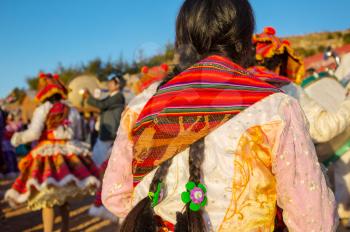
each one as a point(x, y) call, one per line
point(257, 152)
point(59, 167)
point(268, 45)
point(326, 107)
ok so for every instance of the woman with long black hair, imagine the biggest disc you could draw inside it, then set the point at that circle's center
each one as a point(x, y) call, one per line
point(213, 147)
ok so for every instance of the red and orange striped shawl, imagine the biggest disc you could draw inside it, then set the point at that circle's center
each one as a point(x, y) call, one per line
point(189, 107)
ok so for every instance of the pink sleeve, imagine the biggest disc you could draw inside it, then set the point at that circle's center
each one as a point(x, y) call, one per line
point(307, 203)
point(117, 185)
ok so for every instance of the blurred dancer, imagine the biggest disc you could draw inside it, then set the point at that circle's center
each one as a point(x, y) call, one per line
point(59, 167)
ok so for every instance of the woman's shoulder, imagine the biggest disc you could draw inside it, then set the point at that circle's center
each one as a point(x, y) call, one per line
point(139, 101)
point(43, 108)
point(271, 106)
point(272, 110)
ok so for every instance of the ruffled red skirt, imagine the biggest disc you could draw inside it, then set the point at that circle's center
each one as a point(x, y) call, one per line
point(53, 172)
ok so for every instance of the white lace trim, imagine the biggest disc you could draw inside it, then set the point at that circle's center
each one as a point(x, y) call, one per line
point(68, 148)
point(15, 198)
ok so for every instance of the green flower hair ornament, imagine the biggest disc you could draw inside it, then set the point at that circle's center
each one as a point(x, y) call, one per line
point(154, 196)
point(195, 195)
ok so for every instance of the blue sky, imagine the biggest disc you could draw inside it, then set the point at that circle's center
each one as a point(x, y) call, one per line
point(39, 34)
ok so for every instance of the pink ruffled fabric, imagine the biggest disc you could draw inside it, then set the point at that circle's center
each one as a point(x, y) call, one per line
point(117, 185)
point(302, 192)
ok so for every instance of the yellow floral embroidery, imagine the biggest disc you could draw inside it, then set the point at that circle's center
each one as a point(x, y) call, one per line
point(253, 200)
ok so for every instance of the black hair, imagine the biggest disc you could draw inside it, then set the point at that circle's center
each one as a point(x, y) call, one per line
point(54, 98)
point(203, 28)
point(213, 27)
point(190, 221)
point(220, 27)
point(122, 82)
point(118, 79)
point(141, 218)
point(277, 61)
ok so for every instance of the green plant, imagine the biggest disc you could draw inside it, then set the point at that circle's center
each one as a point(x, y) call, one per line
point(330, 36)
point(346, 38)
point(305, 52)
point(321, 48)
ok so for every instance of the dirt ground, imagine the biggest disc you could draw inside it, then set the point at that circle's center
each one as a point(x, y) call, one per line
point(22, 220)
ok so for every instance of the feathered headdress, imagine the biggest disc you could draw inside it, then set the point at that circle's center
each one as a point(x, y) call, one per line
point(268, 45)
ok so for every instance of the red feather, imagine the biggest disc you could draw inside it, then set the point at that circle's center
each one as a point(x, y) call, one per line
point(270, 30)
